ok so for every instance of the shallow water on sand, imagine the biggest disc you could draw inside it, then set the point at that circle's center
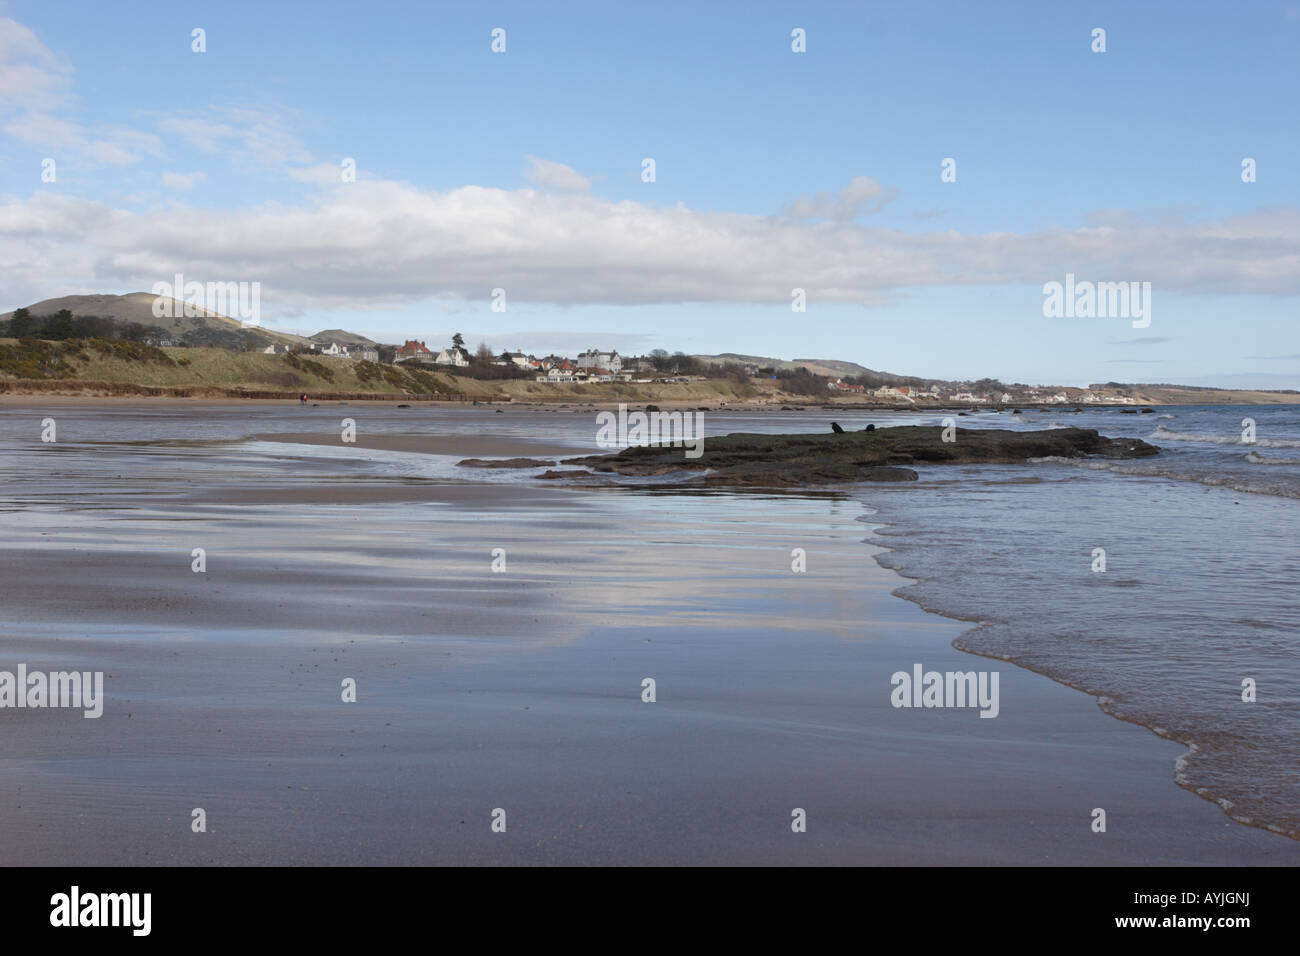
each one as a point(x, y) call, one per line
point(323, 548)
point(1198, 595)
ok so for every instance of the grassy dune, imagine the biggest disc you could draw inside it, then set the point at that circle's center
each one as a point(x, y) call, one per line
point(115, 367)
point(112, 367)
point(1161, 395)
point(714, 390)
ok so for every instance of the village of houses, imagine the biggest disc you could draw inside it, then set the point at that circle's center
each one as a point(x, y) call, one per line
point(935, 394)
point(590, 366)
point(596, 366)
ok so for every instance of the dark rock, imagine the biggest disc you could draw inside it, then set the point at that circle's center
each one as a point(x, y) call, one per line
point(1128, 411)
point(1016, 412)
point(574, 473)
point(1148, 411)
point(505, 463)
point(869, 428)
point(887, 473)
point(403, 406)
point(652, 408)
point(796, 460)
point(835, 427)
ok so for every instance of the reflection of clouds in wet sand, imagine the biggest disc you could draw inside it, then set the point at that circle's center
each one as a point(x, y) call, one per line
point(521, 689)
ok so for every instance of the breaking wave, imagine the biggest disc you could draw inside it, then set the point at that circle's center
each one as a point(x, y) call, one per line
point(1242, 483)
point(1164, 434)
point(1255, 459)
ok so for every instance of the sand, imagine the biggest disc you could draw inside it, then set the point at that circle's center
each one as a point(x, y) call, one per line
point(521, 690)
point(461, 446)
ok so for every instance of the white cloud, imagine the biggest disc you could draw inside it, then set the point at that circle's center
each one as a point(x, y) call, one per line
point(31, 76)
point(182, 181)
point(552, 175)
point(378, 242)
point(60, 137)
point(248, 133)
point(35, 88)
point(854, 200)
point(321, 174)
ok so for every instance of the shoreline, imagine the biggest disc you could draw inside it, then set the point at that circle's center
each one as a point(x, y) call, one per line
point(757, 712)
point(522, 689)
point(1104, 705)
point(776, 406)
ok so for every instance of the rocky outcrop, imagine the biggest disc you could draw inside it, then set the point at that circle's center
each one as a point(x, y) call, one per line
point(505, 463)
point(573, 473)
point(790, 460)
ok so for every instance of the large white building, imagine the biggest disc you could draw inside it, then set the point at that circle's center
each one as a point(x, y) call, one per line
point(594, 359)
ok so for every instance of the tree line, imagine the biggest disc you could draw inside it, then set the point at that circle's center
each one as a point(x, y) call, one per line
point(64, 325)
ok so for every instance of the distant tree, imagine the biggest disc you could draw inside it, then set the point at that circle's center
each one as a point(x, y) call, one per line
point(458, 341)
point(484, 354)
point(133, 332)
point(21, 324)
point(387, 353)
point(684, 364)
point(60, 325)
point(729, 370)
point(800, 381)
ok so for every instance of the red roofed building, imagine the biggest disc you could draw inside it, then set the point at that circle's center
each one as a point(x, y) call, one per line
point(413, 351)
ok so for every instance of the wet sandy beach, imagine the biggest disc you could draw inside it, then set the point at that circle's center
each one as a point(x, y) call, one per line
point(518, 689)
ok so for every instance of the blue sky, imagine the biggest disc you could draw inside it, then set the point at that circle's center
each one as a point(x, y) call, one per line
point(774, 170)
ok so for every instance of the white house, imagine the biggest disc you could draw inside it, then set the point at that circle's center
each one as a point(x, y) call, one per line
point(518, 359)
point(606, 360)
point(890, 391)
point(453, 356)
point(275, 349)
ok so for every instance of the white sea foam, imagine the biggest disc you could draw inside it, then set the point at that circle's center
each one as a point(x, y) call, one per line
point(1255, 459)
point(1164, 434)
point(1242, 483)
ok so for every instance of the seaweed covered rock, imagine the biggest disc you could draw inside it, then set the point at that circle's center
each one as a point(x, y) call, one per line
point(790, 460)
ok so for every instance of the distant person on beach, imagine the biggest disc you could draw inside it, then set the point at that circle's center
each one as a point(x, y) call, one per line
point(302, 399)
